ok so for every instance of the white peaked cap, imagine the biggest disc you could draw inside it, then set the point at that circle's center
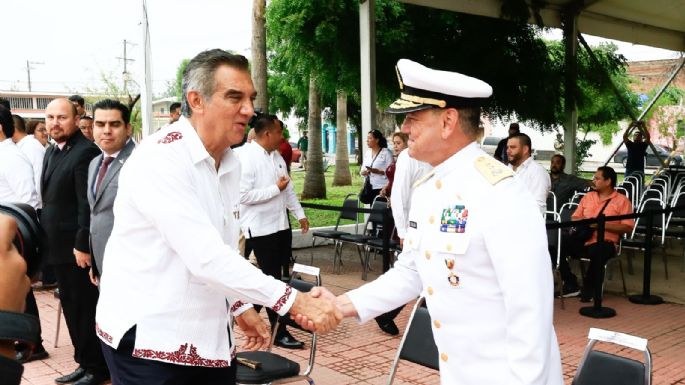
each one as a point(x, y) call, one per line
point(422, 87)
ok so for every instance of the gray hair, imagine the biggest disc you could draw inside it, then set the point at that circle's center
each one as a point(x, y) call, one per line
point(199, 74)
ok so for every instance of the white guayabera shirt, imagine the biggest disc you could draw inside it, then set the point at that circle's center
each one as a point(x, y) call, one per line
point(171, 265)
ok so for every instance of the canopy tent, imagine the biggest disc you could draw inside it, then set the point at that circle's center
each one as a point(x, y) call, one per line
point(657, 23)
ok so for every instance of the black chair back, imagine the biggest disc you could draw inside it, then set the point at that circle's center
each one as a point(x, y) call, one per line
point(348, 209)
point(602, 368)
point(419, 346)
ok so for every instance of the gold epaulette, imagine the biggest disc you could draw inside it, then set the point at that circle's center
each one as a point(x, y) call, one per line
point(492, 170)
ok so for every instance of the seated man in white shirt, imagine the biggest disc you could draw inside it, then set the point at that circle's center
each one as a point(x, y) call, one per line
point(526, 169)
point(174, 278)
point(266, 192)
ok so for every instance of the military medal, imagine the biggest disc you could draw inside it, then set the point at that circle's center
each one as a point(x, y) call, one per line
point(452, 278)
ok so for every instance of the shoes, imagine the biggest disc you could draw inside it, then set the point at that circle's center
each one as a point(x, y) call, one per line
point(71, 377)
point(26, 355)
point(38, 286)
point(569, 291)
point(92, 379)
point(388, 327)
point(287, 341)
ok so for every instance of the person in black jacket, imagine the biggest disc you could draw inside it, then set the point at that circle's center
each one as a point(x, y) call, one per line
point(66, 220)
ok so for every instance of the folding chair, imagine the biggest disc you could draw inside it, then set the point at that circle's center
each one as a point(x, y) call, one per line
point(372, 228)
point(555, 236)
point(417, 345)
point(274, 368)
point(675, 222)
point(600, 368)
point(648, 204)
point(577, 197)
point(349, 213)
point(552, 204)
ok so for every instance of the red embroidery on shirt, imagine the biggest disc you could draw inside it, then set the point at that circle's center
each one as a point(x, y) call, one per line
point(171, 137)
point(103, 334)
point(284, 298)
point(181, 357)
point(237, 305)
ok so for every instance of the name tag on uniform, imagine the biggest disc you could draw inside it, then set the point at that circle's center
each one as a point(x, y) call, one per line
point(412, 224)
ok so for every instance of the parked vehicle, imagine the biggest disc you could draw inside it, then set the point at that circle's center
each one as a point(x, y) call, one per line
point(489, 144)
point(651, 159)
point(296, 152)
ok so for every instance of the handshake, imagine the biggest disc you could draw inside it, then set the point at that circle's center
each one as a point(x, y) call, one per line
point(320, 310)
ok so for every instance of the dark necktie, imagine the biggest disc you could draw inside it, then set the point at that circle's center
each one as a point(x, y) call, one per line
point(102, 172)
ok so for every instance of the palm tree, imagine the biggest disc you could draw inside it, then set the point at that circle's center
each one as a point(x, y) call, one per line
point(342, 176)
point(259, 54)
point(314, 181)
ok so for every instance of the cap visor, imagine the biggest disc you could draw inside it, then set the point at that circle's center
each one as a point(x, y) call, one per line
point(401, 106)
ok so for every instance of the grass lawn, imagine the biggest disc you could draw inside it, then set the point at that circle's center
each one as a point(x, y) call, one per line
point(334, 196)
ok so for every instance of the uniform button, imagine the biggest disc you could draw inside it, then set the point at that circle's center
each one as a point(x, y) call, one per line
point(431, 220)
point(438, 184)
point(449, 247)
point(444, 357)
point(437, 324)
point(410, 242)
point(430, 290)
point(428, 254)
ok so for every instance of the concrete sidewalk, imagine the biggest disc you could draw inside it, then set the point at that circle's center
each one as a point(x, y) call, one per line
point(362, 354)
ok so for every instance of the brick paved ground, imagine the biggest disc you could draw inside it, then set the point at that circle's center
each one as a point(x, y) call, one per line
point(362, 354)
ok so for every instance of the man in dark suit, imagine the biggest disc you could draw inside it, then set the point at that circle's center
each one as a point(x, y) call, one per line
point(112, 132)
point(66, 220)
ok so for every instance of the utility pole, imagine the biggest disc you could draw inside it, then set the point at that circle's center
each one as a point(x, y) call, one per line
point(126, 60)
point(28, 71)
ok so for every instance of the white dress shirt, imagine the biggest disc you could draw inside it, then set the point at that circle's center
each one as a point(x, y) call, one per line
point(495, 325)
point(407, 172)
point(262, 204)
point(382, 161)
point(17, 183)
point(536, 179)
point(172, 264)
point(35, 152)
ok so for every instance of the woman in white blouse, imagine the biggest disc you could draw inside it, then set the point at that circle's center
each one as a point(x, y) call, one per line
point(376, 160)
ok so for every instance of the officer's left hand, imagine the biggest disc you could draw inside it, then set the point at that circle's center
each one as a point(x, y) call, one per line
point(304, 225)
point(255, 329)
point(82, 259)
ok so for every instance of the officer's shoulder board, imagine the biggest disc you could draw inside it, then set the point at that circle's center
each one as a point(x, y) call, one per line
point(492, 170)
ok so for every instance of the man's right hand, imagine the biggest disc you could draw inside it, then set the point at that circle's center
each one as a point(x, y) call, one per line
point(321, 314)
point(282, 182)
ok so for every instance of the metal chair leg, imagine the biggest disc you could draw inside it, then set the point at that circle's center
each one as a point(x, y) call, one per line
point(59, 319)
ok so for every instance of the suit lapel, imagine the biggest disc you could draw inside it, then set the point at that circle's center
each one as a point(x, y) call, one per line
point(92, 175)
point(51, 163)
point(114, 168)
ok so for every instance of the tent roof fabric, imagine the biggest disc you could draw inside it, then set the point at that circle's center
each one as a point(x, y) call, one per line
point(656, 23)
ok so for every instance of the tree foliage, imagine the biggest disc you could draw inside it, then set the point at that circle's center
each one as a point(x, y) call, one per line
point(668, 114)
point(525, 71)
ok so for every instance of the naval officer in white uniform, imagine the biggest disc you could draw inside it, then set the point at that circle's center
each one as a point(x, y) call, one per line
point(475, 246)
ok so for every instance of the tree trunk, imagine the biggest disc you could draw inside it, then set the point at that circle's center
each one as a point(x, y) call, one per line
point(342, 176)
point(314, 181)
point(259, 55)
